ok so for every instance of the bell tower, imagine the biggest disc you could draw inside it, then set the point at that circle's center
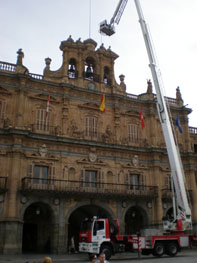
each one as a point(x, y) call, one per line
point(85, 66)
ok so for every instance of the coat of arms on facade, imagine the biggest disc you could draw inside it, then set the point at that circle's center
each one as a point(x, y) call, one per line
point(43, 150)
point(135, 160)
point(92, 157)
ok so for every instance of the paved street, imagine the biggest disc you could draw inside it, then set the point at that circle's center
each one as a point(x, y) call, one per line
point(186, 256)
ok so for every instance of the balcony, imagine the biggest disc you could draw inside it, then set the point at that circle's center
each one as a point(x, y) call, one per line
point(87, 189)
point(3, 185)
point(45, 129)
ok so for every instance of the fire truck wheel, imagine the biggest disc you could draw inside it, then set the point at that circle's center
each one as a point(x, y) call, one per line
point(172, 249)
point(107, 251)
point(158, 250)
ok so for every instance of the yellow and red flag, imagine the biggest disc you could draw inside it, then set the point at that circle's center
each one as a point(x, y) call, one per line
point(102, 104)
point(142, 119)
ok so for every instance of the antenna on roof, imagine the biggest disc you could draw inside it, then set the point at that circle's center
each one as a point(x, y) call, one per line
point(90, 14)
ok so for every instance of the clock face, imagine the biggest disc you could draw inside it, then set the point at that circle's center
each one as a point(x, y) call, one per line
point(91, 86)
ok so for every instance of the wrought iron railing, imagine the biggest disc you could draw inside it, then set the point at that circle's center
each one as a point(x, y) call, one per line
point(3, 184)
point(94, 189)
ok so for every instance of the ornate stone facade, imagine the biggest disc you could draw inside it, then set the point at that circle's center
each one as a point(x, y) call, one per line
point(76, 161)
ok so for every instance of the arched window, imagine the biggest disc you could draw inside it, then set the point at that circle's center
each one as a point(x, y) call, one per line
point(72, 70)
point(89, 68)
point(106, 77)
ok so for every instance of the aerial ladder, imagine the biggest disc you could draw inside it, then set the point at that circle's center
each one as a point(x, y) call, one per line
point(182, 214)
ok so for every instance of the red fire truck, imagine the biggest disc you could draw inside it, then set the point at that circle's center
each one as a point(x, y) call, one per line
point(99, 235)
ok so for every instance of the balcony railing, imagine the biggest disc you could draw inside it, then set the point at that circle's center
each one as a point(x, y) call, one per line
point(4, 66)
point(87, 189)
point(3, 184)
point(45, 129)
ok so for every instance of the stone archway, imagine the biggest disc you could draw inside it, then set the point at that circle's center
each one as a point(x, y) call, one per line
point(77, 216)
point(135, 220)
point(37, 229)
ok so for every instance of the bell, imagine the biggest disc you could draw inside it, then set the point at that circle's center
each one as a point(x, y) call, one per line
point(71, 68)
point(88, 70)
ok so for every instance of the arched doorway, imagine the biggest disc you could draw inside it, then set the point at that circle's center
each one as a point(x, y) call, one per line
point(135, 220)
point(76, 218)
point(37, 229)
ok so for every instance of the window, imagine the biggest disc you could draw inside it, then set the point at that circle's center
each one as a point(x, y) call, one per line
point(134, 181)
point(72, 73)
point(195, 148)
point(42, 120)
point(106, 78)
point(167, 182)
point(91, 127)
point(98, 225)
point(40, 174)
point(90, 178)
point(89, 68)
point(133, 133)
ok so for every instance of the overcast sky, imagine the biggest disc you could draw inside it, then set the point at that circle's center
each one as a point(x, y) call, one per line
point(38, 27)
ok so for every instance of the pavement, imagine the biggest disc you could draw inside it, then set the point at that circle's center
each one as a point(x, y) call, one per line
point(38, 258)
point(79, 257)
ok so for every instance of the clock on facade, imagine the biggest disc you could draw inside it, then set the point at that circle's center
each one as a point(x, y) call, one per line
point(91, 86)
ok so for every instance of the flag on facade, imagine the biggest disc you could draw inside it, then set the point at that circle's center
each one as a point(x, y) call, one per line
point(48, 103)
point(102, 104)
point(142, 119)
point(178, 125)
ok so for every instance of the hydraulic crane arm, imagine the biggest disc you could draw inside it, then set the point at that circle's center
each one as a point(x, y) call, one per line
point(108, 29)
point(182, 214)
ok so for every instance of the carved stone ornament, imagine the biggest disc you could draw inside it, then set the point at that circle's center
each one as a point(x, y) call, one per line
point(23, 199)
point(43, 150)
point(92, 157)
point(135, 160)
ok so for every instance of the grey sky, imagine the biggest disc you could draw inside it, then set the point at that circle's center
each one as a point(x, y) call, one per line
point(39, 26)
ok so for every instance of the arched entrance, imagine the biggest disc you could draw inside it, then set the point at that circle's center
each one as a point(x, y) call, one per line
point(37, 229)
point(135, 220)
point(76, 218)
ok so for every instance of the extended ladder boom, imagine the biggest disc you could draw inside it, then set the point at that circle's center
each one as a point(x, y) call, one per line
point(182, 212)
point(183, 209)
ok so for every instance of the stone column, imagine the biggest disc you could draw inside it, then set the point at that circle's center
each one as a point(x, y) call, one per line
point(11, 223)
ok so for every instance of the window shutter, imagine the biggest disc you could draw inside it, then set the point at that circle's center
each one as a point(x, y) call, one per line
point(53, 172)
point(142, 181)
point(82, 178)
point(30, 170)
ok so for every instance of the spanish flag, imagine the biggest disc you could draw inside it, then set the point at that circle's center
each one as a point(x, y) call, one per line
point(102, 104)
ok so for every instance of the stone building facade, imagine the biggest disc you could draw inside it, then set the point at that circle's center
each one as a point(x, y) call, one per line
point(73, 162)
